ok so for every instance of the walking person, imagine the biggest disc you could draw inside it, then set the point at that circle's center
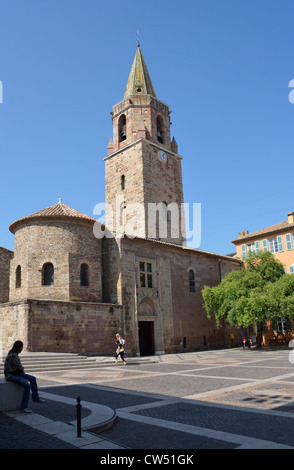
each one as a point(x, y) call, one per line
point(120, 350)
point(14, 372)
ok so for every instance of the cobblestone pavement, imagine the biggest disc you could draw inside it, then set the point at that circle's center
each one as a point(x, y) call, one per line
point(224, 399)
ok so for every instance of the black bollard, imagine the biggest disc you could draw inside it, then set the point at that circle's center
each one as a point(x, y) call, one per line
point(79, 418)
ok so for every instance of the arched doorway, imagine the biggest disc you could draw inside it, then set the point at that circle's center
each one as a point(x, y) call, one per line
point(146, 317)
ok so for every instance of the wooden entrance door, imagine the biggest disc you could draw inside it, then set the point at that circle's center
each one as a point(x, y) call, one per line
point(146, 338)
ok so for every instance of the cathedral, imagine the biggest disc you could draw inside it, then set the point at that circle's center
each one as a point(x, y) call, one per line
point(73, 282)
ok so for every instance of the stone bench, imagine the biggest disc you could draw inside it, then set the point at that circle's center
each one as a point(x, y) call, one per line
point(10, 396)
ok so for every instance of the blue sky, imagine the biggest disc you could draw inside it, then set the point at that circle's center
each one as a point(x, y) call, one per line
point(222, 66)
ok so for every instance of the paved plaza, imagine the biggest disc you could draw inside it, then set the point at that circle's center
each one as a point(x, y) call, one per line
point(222, 399)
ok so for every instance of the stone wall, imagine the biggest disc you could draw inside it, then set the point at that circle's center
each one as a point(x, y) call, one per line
point(111, 268)
point(163, 184)
point(66, 245)
point(5, 257)
point(127, 163)
point(58, 326)
point(141, 114)
point(147, 179)
point(180, 322)
point(14, 321)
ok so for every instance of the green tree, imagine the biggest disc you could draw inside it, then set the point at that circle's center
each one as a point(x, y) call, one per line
point(258, 291)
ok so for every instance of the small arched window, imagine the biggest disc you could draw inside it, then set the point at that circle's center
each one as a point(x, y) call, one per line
point(123, 182)
point(48, 274)
point(192, 285)
point(159, 129)
point(84, 275)
point(122, 128)
point(18, 277)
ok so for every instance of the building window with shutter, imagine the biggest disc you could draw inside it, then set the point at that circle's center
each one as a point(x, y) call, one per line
point(253, 247)
point(250, 248)
point(275, 244)
point(289, 240)
point(243, 247)
point(280, 325)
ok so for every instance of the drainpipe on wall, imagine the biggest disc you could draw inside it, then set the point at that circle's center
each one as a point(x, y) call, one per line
point(136, 323)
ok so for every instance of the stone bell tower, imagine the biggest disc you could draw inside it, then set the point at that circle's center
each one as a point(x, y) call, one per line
point(143, 177)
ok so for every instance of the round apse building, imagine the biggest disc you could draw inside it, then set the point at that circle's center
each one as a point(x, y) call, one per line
point(56, 256)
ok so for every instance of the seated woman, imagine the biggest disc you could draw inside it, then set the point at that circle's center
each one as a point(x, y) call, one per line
point(14, 372)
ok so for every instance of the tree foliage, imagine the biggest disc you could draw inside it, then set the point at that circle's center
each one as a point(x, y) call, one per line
point(258, 291)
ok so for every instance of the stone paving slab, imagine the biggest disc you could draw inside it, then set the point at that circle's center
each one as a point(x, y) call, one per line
point(222, 419)
point(168, 404)
point(113, 398)
point(65, 412)
point(175, 385)
point(242, 372)
point(134, 434)
point(17, 435)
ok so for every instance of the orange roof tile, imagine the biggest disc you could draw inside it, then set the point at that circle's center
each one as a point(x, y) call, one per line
point(57, 211)
point(280, 227)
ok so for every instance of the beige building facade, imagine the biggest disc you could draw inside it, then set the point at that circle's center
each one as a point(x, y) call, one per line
point(71, 283)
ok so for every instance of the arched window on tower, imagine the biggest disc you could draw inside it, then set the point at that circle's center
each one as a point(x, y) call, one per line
point(84, 275)
point(192, 281)
point(18, 277)
point(159, 129)
point(122, 128)
point(48, 274)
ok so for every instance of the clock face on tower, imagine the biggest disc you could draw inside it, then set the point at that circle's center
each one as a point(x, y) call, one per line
point(162, 155)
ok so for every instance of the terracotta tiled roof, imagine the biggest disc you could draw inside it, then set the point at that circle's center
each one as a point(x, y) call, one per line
point(5, 250)
point(57, 211)
point(280, 227)
point(183, 247)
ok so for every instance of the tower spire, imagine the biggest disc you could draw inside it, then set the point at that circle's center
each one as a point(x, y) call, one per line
point(139, 81)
